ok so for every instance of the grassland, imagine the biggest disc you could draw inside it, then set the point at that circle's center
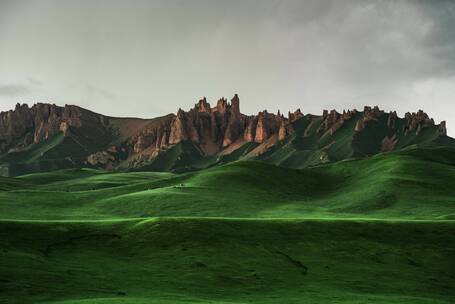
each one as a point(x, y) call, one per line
point(413, 184)
point(373, 230)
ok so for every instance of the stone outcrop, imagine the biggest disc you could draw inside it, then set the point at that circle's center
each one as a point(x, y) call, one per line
point(371, 114)
point(108, 142)
point(23, 125)
point(359, 126)
point(250, 131)
point(155, 135)
point(102, 159)
point(285, 129)
point(294, 116)
point(388, 143)
point(262, 130)
point(442, 128)
point(333, 121)
point(417, 121)
point(391, 120)
point(413, 122)
point(214, 128)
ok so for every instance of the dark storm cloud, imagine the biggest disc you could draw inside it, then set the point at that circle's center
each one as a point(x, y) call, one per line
point(148, 58)
point(13, 90)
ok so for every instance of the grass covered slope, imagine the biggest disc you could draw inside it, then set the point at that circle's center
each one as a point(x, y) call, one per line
point(410, 184)
point(195, 260)
point(378, 229)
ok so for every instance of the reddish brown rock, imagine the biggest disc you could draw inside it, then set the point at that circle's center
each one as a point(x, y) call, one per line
point(103, 159)
point(235, 126)
point(261, 133)
point(140, 144)
point(221, 126)
point(203, 106)
point(388, 144)
point(179, 130)
point(235, 105)
point(213, 130)
point(285, 130)
point(294, 116)
point(391, 120)
point(371, 113)
point(332, 121)
point(64, 128)
point(221, 105)
point(360, 125)
point(417, 121)
point(23, 125)
point(250, 131)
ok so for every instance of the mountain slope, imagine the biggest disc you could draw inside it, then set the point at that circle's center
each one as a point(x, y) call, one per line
point(195, 260)
point(410, 184)
point(47, 137)
point(377, 229)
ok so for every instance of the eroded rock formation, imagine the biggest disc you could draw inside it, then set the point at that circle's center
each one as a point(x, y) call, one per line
point(23, 125)
point(332, 121)
point(214, 128)
point(110, 142)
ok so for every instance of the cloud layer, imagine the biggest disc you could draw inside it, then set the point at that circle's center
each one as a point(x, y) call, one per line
point(148, 58)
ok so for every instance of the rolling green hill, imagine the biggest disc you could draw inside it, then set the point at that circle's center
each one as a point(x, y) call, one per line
point(195, 260)
point(374, 229)
point(410, 184)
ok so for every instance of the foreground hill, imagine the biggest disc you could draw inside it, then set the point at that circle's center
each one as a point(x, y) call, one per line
point(47, 137)
point(378, 229)
point(196, 260)
point(409, 184)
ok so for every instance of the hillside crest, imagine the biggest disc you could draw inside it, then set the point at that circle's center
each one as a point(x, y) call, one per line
point(205, 132)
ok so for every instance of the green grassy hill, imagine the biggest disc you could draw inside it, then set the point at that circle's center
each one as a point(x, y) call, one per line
point(195, 260)
point(411, 184)
point(376, 229)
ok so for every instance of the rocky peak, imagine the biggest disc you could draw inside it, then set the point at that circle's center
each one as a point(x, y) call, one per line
point(224, 125)
point(442, 128)
point(371, 113)
point(211, 129)
point(360, 125)
point(235, 105)
point(261, 133)
point(221, 105)
point(294, 116)
point(24, 125)
point(285, 129)
point(332, 121)
point(416, 121)
point(250, 130)
point(391, 120)
point(203, 106)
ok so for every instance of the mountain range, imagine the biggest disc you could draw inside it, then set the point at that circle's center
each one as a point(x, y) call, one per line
point(47, 137)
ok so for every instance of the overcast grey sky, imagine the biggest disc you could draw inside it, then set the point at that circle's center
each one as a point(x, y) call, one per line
point(148, 58)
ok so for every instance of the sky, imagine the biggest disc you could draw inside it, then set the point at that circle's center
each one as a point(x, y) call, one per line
point(149, 58)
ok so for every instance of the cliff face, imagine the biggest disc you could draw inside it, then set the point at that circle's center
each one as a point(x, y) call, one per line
point(202, 132)
point(23, 126)
point(213, 128)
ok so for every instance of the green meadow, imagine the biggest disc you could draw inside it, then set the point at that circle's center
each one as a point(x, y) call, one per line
point(377, 229)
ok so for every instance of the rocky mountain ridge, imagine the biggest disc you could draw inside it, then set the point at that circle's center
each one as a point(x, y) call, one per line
point(212, 134)
point(215, 128)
